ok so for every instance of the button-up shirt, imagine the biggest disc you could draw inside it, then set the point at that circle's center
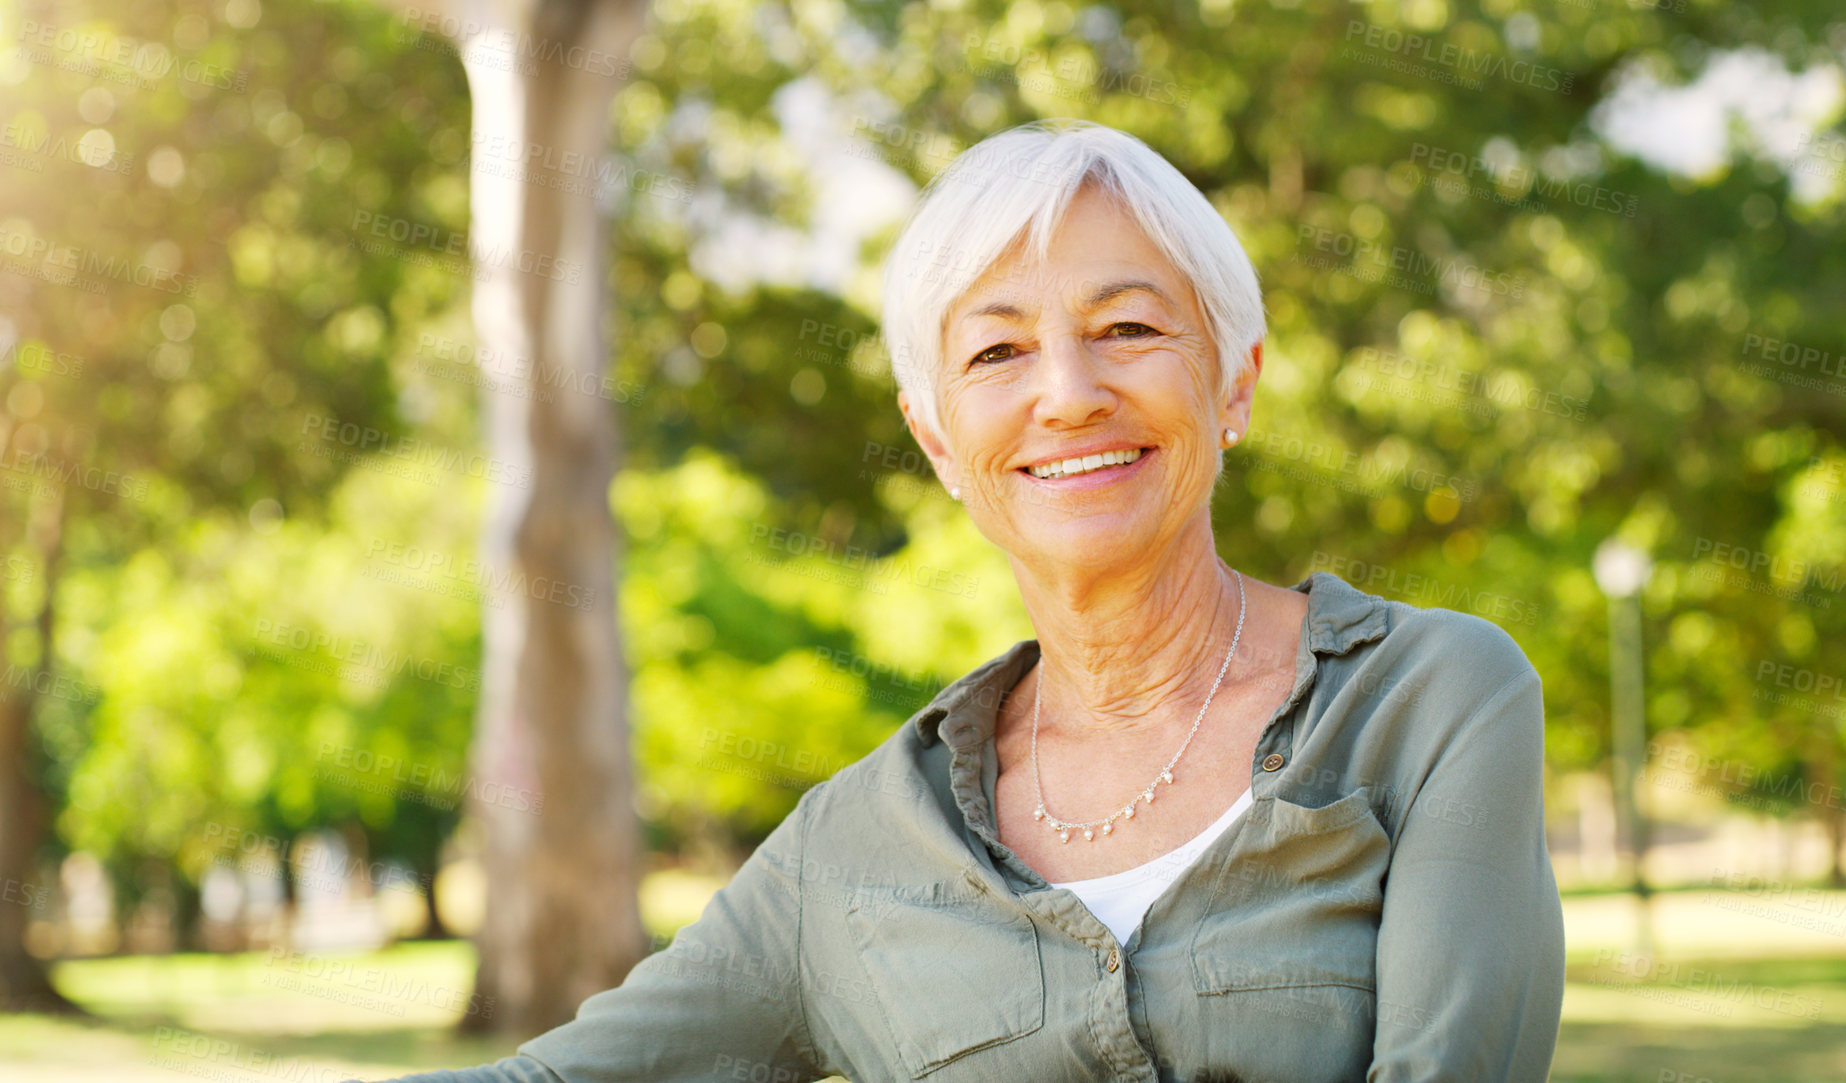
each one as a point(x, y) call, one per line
point(1385, 911)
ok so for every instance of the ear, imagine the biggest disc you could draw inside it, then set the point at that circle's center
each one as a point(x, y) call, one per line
point(1234, 407)
point(931, 444)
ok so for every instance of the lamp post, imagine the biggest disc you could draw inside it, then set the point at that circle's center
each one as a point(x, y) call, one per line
point(1621, 570)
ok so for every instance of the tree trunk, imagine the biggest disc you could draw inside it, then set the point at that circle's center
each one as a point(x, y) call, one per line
point(1832, 819)
point(24, 983)
point(1836, 838)
point(550, 772)
point(434, 927)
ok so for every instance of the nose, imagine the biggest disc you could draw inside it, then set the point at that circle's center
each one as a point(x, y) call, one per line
point(1069, 383)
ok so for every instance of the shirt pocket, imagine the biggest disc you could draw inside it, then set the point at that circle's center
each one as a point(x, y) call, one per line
point(1284, 961)
point(1298, 900)
point(953, 970)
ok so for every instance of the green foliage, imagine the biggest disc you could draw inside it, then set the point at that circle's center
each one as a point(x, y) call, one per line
point(792, 582)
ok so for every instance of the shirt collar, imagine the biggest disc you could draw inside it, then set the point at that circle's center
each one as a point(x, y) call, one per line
point(1340, 617)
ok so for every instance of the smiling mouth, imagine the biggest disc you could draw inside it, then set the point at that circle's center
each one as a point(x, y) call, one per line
point(1070, 468)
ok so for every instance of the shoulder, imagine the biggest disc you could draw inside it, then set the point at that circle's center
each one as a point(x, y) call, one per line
point(1473, 652)
point(1431, 695)
point(1405, 681)
point(909, 769)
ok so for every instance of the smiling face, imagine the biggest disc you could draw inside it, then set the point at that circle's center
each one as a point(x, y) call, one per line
point(1082, 410)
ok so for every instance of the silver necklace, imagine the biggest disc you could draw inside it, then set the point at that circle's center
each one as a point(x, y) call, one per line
point(1166, 775)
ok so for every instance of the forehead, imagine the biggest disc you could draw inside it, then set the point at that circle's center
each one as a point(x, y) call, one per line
point(1097, 253)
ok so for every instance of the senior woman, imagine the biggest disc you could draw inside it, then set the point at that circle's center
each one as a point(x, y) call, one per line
point(1202, 827)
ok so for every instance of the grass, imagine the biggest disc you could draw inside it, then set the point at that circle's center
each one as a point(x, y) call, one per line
point(1738, 990)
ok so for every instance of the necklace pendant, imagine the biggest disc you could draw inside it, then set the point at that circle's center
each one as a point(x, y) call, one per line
point(1108, 827)
point(1166, 776)
point(1089, 835)
point(1064, 836)
point(1149, 794)
point(1129, 812)
point(1039, 813)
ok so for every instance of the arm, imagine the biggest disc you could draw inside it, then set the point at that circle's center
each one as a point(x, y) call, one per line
point(723, 997)
point(1471, 941)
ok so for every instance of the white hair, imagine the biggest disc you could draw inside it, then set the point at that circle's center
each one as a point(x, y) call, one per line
point(1022, 179)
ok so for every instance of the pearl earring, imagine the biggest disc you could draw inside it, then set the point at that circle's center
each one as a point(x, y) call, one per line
point(956, 493)
point(1230, 436)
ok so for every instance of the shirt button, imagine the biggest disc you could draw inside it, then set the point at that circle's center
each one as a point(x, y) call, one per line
point(1272, 762)
point(1115, 961)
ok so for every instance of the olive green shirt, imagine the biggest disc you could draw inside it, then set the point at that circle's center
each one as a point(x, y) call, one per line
point(1384, 911)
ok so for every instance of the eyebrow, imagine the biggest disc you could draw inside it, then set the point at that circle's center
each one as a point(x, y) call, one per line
point(1106, 292)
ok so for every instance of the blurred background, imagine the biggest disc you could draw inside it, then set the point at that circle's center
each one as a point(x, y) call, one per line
point(453, 501)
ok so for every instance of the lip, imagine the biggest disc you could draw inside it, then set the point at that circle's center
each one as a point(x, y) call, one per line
point(1107, 475)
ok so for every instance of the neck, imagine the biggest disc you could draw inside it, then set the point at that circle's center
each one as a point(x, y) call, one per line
point(1134, 650)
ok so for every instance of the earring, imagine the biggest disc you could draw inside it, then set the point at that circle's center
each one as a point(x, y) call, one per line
point(956, 493)
point(1230, 436)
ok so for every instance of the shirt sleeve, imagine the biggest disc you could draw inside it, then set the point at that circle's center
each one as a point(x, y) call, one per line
point(1470, 968)
point(721, 1002)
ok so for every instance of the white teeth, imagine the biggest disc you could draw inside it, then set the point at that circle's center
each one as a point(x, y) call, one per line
point(1070, 467)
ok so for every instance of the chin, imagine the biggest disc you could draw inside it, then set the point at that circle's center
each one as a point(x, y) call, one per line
point(1097, 540)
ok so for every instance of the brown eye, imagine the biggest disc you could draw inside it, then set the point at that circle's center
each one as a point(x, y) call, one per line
point(1135, 330)
point(994, 353)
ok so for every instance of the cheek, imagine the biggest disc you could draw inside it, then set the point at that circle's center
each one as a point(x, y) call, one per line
point(976, 423)
point(1192, 450)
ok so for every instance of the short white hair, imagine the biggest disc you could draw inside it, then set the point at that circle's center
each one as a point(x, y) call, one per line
point(1022, 179)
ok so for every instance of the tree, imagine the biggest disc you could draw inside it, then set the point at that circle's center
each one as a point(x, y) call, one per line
point(153, 266)
point(563, 913)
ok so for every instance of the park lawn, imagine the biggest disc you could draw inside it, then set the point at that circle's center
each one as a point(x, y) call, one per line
point(1739, 996)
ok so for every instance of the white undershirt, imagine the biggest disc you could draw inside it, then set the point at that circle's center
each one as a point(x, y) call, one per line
point(1120, 899)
